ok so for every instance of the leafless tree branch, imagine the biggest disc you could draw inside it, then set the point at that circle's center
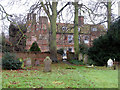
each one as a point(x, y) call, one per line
point(63, 8)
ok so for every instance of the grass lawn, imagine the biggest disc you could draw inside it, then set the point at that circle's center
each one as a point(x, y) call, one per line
point(60, 77)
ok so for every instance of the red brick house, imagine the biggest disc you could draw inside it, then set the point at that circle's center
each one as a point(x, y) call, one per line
point(39, 31)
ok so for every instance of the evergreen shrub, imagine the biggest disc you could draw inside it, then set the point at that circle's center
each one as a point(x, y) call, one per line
point(106, 46)
point(10, 61)
point(35, 47)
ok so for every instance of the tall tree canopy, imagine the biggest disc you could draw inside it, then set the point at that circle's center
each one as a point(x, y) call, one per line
point(107, 46)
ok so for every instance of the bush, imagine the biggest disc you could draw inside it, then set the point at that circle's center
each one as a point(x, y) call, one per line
point(90, 62)
point(60, 51)
point(107, 46)
point(35, 47)
point(10, 61)
point(83, 48)
point(76, 62)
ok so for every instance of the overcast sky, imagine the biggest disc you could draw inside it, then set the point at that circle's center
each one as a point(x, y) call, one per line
point(21, 7)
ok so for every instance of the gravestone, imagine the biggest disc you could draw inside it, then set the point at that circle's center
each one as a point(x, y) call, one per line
point(28, 62)
point(110, 62)
point(47, 64)
point(85, 58)
point(80, 56)
point(37, 63)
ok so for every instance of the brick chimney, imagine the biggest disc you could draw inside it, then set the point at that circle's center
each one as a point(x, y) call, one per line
point(80, 20)
point(43, 20)
point(34, 18)
point(31, 17)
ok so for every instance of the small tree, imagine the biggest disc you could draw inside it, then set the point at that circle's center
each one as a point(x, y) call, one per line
point(35, 47)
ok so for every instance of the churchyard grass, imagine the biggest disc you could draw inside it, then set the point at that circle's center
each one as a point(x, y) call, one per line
point(62, 76)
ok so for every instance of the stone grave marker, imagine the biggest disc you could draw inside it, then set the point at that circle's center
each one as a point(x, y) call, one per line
point(28, 61)
point(37, 63)
point(80, 56)
point(47, 64)
point(85, 58)
point(110, 63)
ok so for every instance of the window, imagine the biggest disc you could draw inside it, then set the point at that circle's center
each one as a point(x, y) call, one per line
point(70, 38)
point(86, 40)
point(78, 29)
point(70, 49)
point(40, 36)
point(94, 29)
point(45, 37)
point(86, 37)
point(37, 28)
point(64, 28)
point(65, 38)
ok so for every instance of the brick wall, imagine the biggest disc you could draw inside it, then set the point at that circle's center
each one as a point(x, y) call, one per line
point(35, 56)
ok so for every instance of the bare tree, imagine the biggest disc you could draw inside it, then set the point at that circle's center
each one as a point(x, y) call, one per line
point(50, 9)
point(18, 22)
point(101, 12)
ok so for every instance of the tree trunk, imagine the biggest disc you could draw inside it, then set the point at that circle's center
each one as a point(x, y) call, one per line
point(109, 13)
point(76, 41)
point(53, 46)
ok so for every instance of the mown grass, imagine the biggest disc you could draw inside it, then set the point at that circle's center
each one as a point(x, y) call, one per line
point(60, 77)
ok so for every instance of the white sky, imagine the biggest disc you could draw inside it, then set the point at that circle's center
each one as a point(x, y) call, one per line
point(19, 8)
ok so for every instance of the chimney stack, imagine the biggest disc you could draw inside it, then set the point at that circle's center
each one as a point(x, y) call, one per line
point(43, 20)
point(34, 18)
point(80, 20)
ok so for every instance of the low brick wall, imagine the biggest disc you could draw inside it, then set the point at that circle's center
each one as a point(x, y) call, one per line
point(35, 56)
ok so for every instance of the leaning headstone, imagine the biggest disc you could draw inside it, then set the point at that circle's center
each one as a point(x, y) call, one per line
point(110, 62)
point(37, 63)
point(47, 64)
point(28, 62)
point(85, 58)
point(80, 56)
